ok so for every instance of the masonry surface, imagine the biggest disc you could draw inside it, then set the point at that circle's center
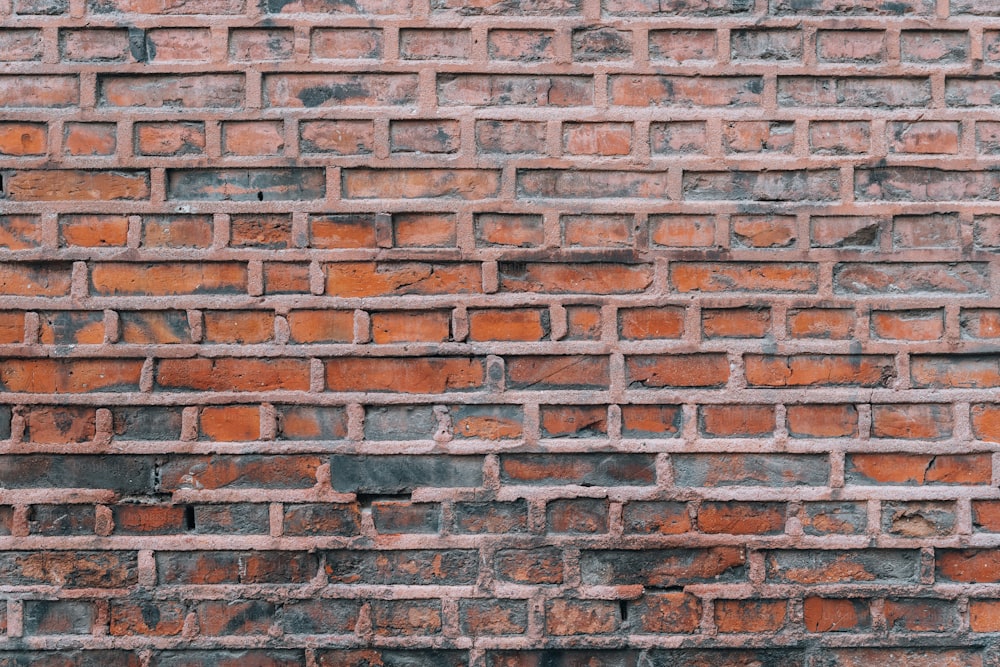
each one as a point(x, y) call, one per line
point(499, 333)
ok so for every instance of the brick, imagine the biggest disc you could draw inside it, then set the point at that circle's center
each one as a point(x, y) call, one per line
point(229, 423)
point(395, 518)
point(681, 45)
point(851, 46)
point(573, 421)
point(347, 137)
point(434, 44)
point(345, 43)
point(362, 8)
point(499, 229)
point(418, 136)
point(402, 618)
point(584, 469)
point(815, 185)
point(69, 569)
point(577, 516)
point(573, 278)
point(735, 322)
point(821, 421)
point(678, 137)
point(736, 421)
point(241, 471)
point(883, 566)
point(407, 375)
point(420, 183)
point(177, 231)
point(819, 370)
point(911, 422)
point(663, 568)
point(232, 374)
point(509, 137)
point(361, 90)
point(66, 424)
point(47, 92)
point(508, 324)
point(763, 231)
point(918, 519)
point(320, 616)
point(31, 185)
point(759, 518)
point(642, 91)
point(425, 567)
point(234, 567)
point(493, 617)
point(923, 184)
point(65, 327)
point(220, 617)
point(113, 278)
point(769, 44)
point(831, 323)
point(177, 45)
point(254, 45)
point(61, 520)
point(230, 658)
point(839, 137)
point(125, 474)
point(651, 421)
point(556, 372)
point(238, 326)
point(834, 518)
point(601, 44)
point(536, 566)
point(322, 519)
point(836, 614)
point(487, 422)
point(520, 45)
point(398, 474)
point(22, 139)
point(750, 615)
point(11, 327)
point(711, 470)
point(934, 46)
point(490, 517)
point(650, 323)
point(147, 618)
point(973, 371)
point(514, 90)
point(917, 469)
point(93, 231)
point(245, 184)
point(205, 91)
point(262, 230)
point(867, 8)
point(20, 232)
point(844, 232)
point(424, 230)
point(682, 370)
point(682, 231)
point(70, 375)
point(925, 137)
point(746, 277)
point(157, 326)
point(581, 617)
point(391, 658)
point(597, 138)
point(966, 565)
point(89, 139)
point(20, 45)
point(60, 617)
point(675, 7)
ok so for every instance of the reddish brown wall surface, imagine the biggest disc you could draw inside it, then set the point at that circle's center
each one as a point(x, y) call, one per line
point(499, 333)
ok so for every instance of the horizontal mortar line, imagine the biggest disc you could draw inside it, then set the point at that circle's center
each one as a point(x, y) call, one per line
point(720, 396)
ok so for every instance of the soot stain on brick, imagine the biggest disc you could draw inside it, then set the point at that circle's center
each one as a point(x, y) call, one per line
point(315, 96)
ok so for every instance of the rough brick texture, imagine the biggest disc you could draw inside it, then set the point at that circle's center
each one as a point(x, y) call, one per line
point(499, 333)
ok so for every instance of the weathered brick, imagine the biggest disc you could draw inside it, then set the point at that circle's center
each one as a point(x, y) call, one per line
point(750, 470)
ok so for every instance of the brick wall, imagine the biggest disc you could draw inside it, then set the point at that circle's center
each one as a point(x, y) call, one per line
point(499, 333)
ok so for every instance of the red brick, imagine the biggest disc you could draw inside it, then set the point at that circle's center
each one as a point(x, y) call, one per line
point(836, 614)
point(736, 421)
point(20, 139)
point(750, 615)
point(580, 617)
point(93, 231)
point(735, 322)
point(525, 324)
point(232, 374)
point(821, 421)
point(420, 375)
point(403, 326)
point(758, 518)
